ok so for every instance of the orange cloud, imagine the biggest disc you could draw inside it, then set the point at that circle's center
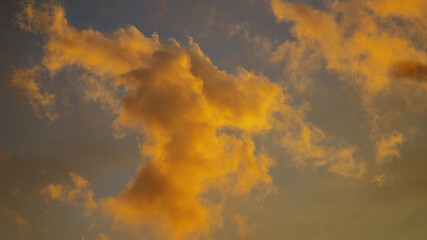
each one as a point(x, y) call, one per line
point(198, 123)
point(42, 101)
point(187, 105)
point(102, 236)
point(388, 147)
point(356, 46)
point(309, 146)
point(80, 194)
point(361, 42)
point(15, 218)
point(244, 227)
point(408, 9)
point(412, 70)
point(379, 180)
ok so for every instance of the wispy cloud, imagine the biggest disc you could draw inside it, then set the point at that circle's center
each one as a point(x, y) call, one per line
point(361, 42)
point(79, 194)
point(42, 101)
point(388, 147)
point(310, 146)
point(15, 218)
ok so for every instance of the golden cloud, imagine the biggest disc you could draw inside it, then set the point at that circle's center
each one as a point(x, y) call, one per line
point(362, 42)
point(309, 146)
point(198, 124)
point(387, 147)
point(357, 45)
point(379, 179)
point(186, 108)
point(42, 101)
point(408, 9)
point(79, 194)
point(102, 236)
point(411, 70)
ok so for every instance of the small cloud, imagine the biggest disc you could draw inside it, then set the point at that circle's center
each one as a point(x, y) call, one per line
point(379, 180)
point(310, 146)
point(41, 100)
point(388, 147)
point(244, 227)
point(234, 29)
point(79, 194)
point(102, 236)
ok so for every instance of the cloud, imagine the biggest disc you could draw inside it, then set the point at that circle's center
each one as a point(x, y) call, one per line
point(79, 194)
point(379, 179)
point(198, 124)
point(99, 236)
point(15, 218)
point(244, 227)
point(309, 146)
point(191, 151)
point(234, 29)
point(410, 9)
point(350, 44)
point(42, 101)
point(362, 42)
point(197, 121)
point(102, 236)
point(411, 70)
point(388, 147)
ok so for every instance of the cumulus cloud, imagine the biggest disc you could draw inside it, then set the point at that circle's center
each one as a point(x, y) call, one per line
point(198, 124)
point(184, 104)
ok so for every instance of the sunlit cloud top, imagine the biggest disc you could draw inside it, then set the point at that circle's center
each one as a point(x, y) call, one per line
point(214, 120)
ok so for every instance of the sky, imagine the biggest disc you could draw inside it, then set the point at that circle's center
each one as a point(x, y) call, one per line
point(242, 119)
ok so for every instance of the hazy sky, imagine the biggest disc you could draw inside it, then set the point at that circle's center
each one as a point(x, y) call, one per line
point(243, 119)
